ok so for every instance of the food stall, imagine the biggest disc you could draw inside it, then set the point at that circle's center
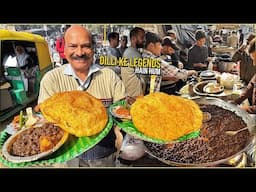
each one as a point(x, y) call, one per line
point(197, 138)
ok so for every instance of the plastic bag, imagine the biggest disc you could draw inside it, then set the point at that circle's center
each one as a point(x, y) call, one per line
point(132, 148)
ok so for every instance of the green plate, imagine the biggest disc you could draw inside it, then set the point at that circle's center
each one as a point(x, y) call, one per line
point(129, 128)
point(72, 148)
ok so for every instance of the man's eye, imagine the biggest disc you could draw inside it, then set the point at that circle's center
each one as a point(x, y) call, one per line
point(87, 47)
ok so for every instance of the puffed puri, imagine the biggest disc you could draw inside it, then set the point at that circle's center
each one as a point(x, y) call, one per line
point(77, 112)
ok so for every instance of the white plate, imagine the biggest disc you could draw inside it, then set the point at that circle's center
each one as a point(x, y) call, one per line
point(207, 74)
point(13, 128)
point(213, 88)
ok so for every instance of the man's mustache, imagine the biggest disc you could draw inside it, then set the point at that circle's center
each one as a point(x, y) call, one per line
point(82, 57)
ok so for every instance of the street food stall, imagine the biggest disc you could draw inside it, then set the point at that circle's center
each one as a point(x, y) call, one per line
point(190, 131)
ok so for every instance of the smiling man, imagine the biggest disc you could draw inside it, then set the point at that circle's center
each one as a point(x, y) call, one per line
point(82, 74)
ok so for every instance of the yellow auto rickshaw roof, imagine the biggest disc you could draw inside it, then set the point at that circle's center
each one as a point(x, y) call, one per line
point(22, 36)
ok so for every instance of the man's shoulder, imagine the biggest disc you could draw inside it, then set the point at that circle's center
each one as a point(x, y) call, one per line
point(131, 52)
point(192, 48)
point(106, 71)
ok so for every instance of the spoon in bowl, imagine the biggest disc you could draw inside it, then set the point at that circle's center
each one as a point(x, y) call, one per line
point(231, 133)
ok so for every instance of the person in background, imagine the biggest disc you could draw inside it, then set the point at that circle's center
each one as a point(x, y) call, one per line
point(134, 83)
point(81, 72)
point(198, 53)
point(169, 72)
point(113, 51)
point(232, 40)
point(209, 42)
point(21, 60)
point(247, 69)
point(172, 35)
point(241, 37)
point(250, 91)
point(60, 44)
point(123, 44)
point(168, 52)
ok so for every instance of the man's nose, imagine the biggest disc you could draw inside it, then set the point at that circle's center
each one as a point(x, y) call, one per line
point(79, 51)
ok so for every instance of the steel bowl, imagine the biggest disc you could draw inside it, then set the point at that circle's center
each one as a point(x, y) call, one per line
point(6, 150)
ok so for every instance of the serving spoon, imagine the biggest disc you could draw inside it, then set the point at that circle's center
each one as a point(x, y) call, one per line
point(231, 133)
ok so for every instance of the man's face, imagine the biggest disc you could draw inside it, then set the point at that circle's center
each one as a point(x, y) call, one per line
point(115, 42)
point(123, 43)
point(201, 42)
point(79, 49)
point(167, 50)
point(140, 39)
point(156, 48)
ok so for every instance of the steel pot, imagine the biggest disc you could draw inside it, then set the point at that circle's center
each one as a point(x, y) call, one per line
point(249, 121)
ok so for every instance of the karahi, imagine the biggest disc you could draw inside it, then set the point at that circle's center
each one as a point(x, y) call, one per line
point(167, 117)
point(77, 112)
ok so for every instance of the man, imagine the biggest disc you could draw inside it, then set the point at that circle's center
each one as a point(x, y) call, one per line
point(250, 91)
point(247, 69)
point(168, 52)
point(113, 51)
point(81, 73)
point(123, 44)
point(171, 73)
point(134, 83)
point(198, 54)
point(169, 55)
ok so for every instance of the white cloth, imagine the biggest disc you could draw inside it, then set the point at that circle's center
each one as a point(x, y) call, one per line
point(15, 61)
point(22, 58)
point(10, 61)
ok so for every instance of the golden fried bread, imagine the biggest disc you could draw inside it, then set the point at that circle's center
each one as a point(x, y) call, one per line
point(77, 112)
point(166, 117)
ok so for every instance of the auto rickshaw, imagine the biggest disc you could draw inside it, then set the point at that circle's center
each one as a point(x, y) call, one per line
point(20, 86)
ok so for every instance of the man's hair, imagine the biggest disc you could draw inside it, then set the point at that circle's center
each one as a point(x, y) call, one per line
point(113, 35)
point(135, 31)
point(200, 35)
point(251, 48)
point(124, 37)
point(152, 38)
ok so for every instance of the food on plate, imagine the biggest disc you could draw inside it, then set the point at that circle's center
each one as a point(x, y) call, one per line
point(167, 117)
point(22, 121)
point(121, 112)
point(45, 143)
point(35, 140)
point(213, 145)
point(184, 90)
point(213, 88)
point(77, 112)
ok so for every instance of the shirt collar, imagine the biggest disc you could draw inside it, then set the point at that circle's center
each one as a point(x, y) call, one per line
point(148, 53)
point(70, 71)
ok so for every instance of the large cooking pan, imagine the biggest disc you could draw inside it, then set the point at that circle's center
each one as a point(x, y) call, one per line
point(248, 120)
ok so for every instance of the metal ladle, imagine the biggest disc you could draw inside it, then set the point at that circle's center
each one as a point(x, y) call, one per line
point(231, 133)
